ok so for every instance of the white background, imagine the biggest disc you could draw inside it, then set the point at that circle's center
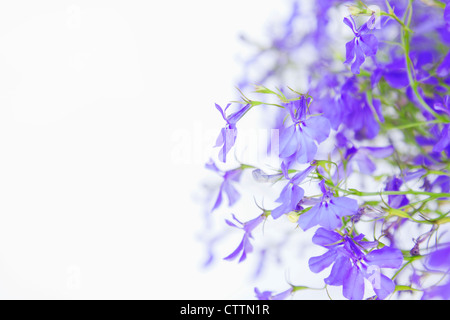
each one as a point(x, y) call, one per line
point(93, 97)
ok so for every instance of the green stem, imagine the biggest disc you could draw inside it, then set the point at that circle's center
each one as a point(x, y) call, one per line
point(417, 124)
point(389, 193)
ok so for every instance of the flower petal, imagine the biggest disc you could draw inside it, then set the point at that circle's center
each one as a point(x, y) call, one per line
point(444, 139)
point(317, 128)
point(344, 206)
point(310, 218)
point(350, 51)
point(385, 257)
point(319, 263)
point(359, 59)
point(232, 194)
point(288, 142)
point(384, 287)
point(328, 217)
point(339, 272)
point(308, 149)
point(324, 237)
point(353, 286)
point(369, 44)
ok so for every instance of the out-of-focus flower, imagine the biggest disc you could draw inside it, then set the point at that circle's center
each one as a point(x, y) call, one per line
point(244, 247)
point(226, 187)
point(228, 134)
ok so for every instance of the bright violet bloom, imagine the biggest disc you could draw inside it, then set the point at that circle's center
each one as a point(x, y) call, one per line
point(244, 247)
point(226, 187)
point(363, 44)
point(352, 264)
point(268, 295)
point(329, 211)
point(291, 194)
point(298, 141)
point(228, 134)
point(439, 260)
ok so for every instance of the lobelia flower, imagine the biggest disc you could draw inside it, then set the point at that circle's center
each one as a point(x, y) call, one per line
point(439, 260)
point(351, 263)
point(226, 186)
point(362, 45)
point(447, 18)
point(444, 139)
point(329, 211)
point(268, 295)
point(361, 156)
point(442, 104)
point(291, 194)
point(298, 141)
point(228, 134)
point(357, 111)
point(396, 74)
point(395, 201)
point(443, 70)
point(244, 246)
point(429, 158)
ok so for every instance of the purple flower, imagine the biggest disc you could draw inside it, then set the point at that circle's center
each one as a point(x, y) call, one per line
point(439, 260)
point(298, 141)
point(244, 246)
point(268, 295)
point(352, 263)
point(395, 201)
point(363, 44)
point(430, 158)
point(444, 139)
point(443, 70)
point(361, 156)
point(396, 74)
point(291, 194)
point(226, 187)
point(228, 134)
point(447, 15)
point(329, 211)
point(357, 114)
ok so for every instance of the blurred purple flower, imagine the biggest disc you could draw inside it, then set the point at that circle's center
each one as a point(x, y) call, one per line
point(244, 247)
point(439, 260)
point(228, 134)
point(362, 157)
point(395, 201)
point(268, 295)
point(226, 187)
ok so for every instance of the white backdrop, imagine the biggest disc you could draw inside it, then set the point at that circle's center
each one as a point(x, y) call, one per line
point(94, 95)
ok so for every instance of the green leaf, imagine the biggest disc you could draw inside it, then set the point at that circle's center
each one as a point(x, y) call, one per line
point(404, 288)
point(398, 213)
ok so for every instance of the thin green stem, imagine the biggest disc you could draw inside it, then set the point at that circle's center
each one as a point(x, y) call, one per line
point(389, 193)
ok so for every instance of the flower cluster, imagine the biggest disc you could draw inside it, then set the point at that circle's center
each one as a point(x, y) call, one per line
point(364, 144)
